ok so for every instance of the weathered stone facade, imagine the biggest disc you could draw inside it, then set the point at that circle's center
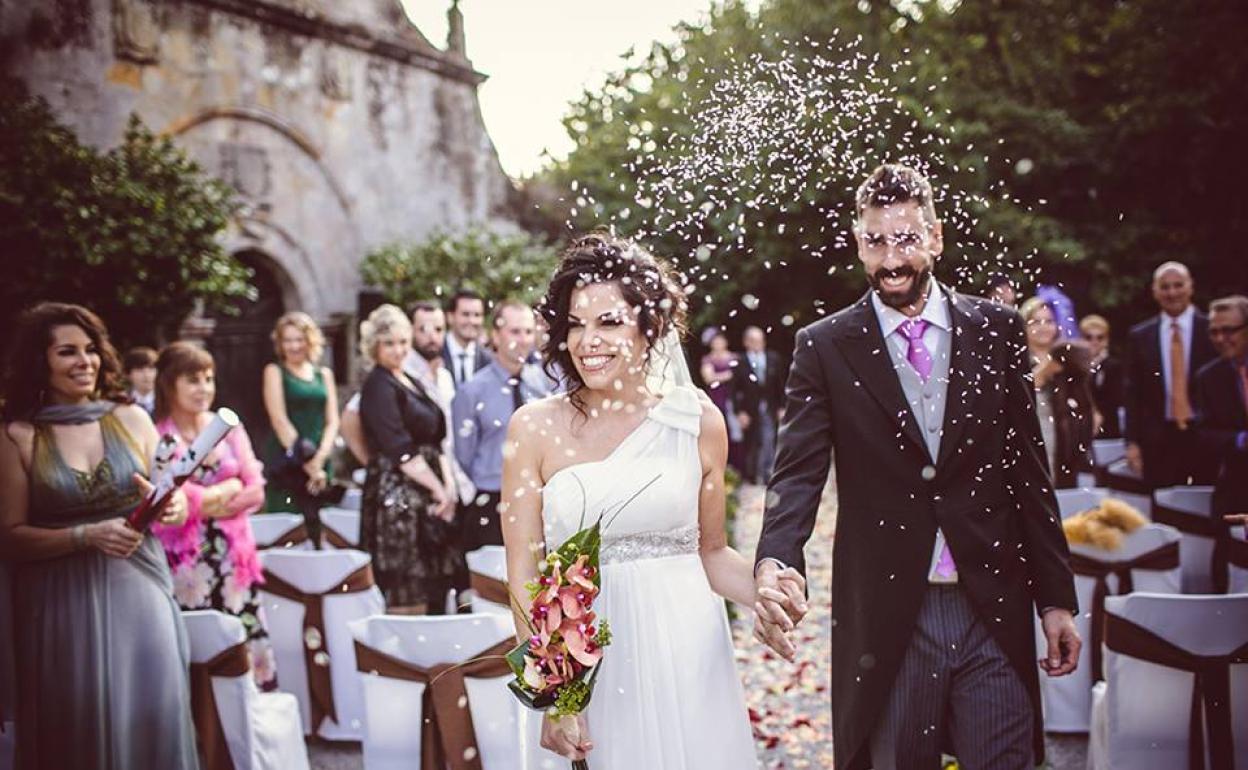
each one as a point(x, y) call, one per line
point(339, 122)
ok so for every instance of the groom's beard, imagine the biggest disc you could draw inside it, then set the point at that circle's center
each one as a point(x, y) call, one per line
point(895, 299)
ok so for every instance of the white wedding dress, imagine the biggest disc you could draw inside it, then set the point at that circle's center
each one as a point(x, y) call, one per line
point(668, 696)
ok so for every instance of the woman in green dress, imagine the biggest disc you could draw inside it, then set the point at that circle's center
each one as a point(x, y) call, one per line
point(102, 655)
point(302, 405)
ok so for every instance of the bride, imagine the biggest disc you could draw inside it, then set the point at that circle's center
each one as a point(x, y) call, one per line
point(668, 696)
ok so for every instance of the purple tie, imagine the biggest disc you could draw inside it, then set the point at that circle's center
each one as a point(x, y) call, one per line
point(921, 359)
point(918, 355)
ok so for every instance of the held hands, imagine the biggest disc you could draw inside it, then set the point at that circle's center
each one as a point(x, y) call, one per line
point(175, 509)
point(567, 736)
point(779, 605)
point(112, 537)
point(1063, 642)
point(443, 503)
point(315, 470)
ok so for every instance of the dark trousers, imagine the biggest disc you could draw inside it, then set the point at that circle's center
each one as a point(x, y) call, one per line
point(480, 522)
point(1176, 459)
point(759, 447)
point(955, 688)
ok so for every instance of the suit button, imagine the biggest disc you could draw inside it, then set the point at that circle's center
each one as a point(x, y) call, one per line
point(928, 473)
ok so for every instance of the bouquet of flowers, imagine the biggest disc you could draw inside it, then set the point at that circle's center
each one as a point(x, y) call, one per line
point(556, 667)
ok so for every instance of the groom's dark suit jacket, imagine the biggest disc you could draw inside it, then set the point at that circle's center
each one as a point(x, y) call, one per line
point(989, 490)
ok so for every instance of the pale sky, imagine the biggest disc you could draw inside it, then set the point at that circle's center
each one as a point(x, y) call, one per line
point(541, 54)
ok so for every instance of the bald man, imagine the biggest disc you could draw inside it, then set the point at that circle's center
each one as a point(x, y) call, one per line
point(1166, 352)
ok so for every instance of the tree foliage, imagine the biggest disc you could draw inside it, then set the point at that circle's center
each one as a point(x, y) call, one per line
point(130, 232)
point(1086, 142)
point(498, 265)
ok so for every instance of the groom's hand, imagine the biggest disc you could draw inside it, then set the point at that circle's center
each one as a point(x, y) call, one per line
point(779, 605)
point(1063, 640)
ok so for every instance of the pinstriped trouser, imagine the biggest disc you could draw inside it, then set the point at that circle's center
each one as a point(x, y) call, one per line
point(954, 682)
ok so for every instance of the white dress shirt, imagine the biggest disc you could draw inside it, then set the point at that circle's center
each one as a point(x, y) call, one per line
point(462, 355)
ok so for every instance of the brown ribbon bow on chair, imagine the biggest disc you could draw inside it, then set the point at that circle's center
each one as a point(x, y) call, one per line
point(320, 685)
point(1211, 692)
point(332, 537)
point(291, 537)
point(230, 662)
point(1202, 526)
point(490, 589)
point(447, 737)
point(1158, 560)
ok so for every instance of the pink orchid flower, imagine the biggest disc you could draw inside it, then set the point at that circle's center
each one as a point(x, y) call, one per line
point(580, 643)
point(581, 574)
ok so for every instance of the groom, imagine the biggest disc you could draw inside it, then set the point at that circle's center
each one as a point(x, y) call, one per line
point(947, 528)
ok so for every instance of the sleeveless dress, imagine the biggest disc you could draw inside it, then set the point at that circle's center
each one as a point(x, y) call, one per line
point(102, 653)
point(305, 406)
point(668, 696)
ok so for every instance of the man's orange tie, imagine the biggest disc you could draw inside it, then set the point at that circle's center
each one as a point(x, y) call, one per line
point(1180, 407)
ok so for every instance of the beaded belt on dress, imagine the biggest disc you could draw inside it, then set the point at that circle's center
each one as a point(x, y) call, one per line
point(650, 545)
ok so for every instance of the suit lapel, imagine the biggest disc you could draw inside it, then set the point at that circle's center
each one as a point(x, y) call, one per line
point(966, 372)
point(864, 349)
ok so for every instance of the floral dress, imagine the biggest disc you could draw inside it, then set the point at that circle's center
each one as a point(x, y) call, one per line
point(213, 560)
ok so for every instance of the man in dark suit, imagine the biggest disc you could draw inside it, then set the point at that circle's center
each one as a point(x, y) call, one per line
point(1165, 353)
point(758, 395)
point(1221, 395)
point(948, 537)
point(464, 352)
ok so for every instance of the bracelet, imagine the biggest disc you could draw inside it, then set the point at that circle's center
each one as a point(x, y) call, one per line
point(78, 536)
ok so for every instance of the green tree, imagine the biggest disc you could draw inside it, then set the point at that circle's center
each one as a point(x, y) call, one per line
point(1073, 143)
point(498, 265)
point(130, 233)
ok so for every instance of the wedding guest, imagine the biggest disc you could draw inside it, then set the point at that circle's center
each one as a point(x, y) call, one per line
point(140, 368)
point(480, 413)
point(1107, 375)
point(1221, 402)
point(1066, 380)
point(425, 364)
point(302, 405)
point(102, 654)
point(1164, 355)
point(717, 369)
point(408, 509)
point(1040, 324)
point(213, 554)
point(758, 395)
point(464, 353)
point(1001, 290)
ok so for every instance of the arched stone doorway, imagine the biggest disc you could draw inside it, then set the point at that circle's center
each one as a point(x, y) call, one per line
point(241, 345)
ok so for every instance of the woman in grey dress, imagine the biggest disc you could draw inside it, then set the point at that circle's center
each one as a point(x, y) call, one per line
point(101, 651)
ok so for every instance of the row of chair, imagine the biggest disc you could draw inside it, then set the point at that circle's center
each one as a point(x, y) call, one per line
point(348, 671)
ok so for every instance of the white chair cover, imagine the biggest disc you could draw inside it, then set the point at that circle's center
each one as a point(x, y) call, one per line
point(392, 740)
point(1079, 499)
point(1238, 583)
point(1106, 451)
point(8, 671)
point(1068, 699)
point(1140, 713)
point(352, 499)
point(269, 528)
point(317, 572)
point(262, 730)
point(1197, 550)
point(343, 521)
point(489, 561)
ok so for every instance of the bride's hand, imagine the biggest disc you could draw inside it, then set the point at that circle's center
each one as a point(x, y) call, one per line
point(567, 736)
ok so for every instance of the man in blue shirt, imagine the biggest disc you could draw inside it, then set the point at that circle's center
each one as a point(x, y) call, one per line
point(481, 410)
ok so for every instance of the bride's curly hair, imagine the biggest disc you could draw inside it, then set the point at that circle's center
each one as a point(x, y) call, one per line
point(649, 285)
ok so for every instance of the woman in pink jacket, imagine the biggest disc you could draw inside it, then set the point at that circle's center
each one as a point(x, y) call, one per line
point(213, 554)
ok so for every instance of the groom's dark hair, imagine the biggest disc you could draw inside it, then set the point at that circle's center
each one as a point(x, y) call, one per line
point(896, 183)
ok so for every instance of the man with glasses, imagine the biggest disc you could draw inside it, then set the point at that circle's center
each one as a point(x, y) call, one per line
point(1166, 352)
point(1107, 376)
point(1221, 391)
